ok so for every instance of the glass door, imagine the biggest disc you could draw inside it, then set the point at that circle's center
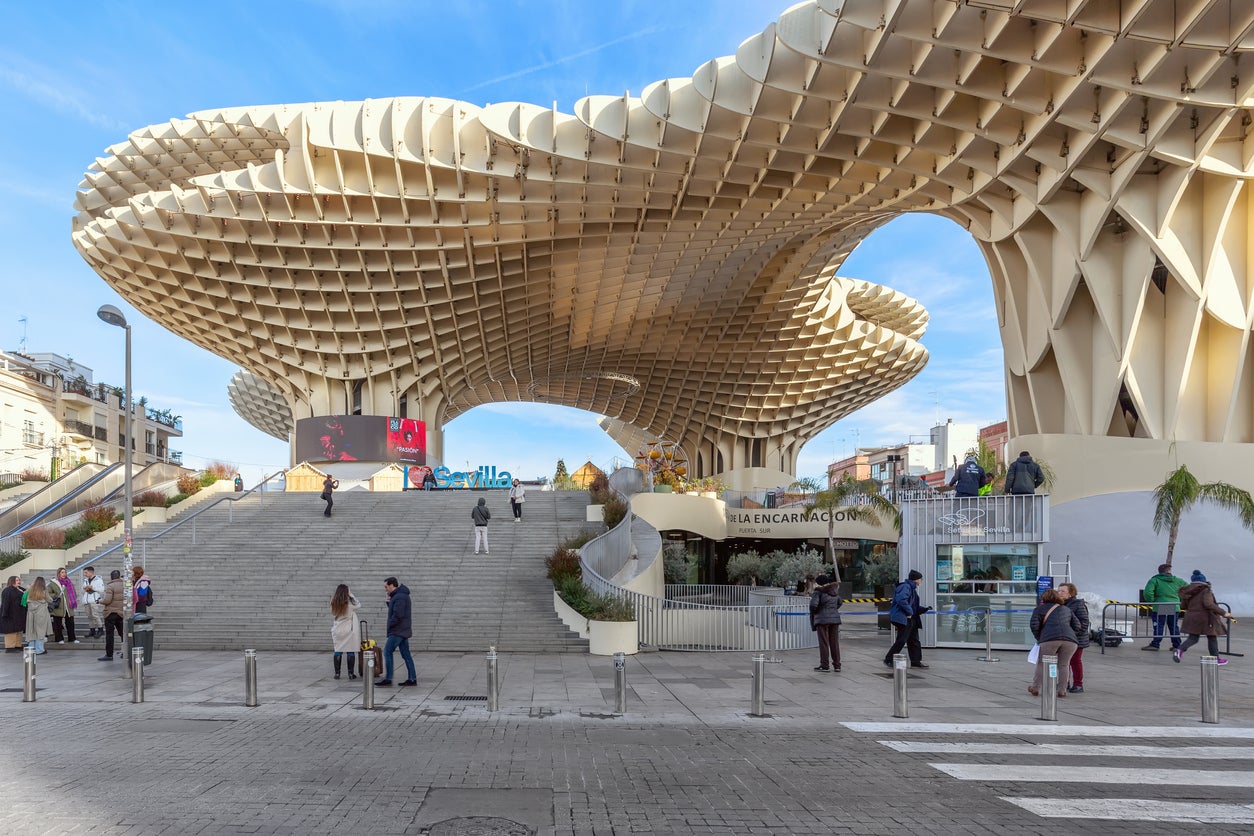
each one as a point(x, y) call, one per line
point(973, 579)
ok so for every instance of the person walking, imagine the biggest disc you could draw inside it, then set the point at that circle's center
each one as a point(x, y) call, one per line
point(62, 606)
point(1055, 627)
point(517, 496)
point(1202, 617)
point(480, 516)
point(329, 487)
point(1163, 591)
point(825, 615)
point(968, 478)
point(1024, 475)
point(112, 601)
point(141, 590)
point(1083, 638)
point(905, 615)
point(93, 591)
point(38, 621)
point(12, 615)
point(400, 628)
point(345, 629)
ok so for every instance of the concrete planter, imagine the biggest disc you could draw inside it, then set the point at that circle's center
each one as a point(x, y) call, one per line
point(596, 513)
point(663, 489)
point(569, 617)
point(605, 638)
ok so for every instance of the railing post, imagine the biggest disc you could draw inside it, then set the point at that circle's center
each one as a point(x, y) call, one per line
point(137, 668)
point(28, 675)
point(493, 682)
point(758, 709)
point(620, 683)
point(901, 694)
point(367, 681)
point(193, 529)
point(230, 512)
point(1210, 689)
point(250, 678)
point(1049, 688)
point(988, 638)
point(774, 631)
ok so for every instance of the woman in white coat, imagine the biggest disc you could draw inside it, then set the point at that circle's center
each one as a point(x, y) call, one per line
point(517, 496)
point(345, 629)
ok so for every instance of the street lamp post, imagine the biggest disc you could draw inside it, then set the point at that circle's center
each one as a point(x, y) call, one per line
point(113, 316)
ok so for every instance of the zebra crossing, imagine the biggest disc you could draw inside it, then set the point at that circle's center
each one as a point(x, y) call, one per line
point(1166, 767)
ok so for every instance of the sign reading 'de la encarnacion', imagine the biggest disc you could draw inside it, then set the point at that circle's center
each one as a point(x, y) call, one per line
point(797, 522)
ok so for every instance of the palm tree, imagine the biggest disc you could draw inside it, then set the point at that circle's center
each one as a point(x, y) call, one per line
point(1180, 491)
point(860, 499)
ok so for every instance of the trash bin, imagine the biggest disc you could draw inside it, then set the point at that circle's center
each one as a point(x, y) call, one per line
point(140, 634)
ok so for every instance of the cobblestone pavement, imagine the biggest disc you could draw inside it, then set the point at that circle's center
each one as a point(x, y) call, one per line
point(685, 758)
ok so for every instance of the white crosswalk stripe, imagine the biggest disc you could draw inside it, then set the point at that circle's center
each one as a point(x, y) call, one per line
point(1159, 771)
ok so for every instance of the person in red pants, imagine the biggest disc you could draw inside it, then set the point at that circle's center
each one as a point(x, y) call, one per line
point(1083, 637)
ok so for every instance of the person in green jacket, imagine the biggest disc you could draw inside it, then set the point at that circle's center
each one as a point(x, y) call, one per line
point(1164, 590)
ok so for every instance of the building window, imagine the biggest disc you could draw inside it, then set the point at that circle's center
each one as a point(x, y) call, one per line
point(356, 404)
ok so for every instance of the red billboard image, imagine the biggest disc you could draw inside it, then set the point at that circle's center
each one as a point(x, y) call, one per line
point(407, 440)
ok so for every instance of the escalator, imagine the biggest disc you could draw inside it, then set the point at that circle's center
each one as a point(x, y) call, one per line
point(82, 487)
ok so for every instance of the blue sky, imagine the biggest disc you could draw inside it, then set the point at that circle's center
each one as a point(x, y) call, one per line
point(76, 78)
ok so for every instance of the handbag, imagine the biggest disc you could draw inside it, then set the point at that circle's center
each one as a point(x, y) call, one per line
point(1034, 655)
point(368, 645)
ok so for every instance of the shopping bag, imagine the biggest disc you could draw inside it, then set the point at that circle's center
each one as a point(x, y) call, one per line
point(1034, 654)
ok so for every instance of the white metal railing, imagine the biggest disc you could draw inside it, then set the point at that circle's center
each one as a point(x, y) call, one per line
point(708, 593)
point(11, 544)
point(1001, 518)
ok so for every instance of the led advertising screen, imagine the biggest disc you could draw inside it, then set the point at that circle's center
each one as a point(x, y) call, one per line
point(369, 438)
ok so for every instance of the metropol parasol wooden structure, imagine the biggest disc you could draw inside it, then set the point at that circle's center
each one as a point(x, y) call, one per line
point(669, 260)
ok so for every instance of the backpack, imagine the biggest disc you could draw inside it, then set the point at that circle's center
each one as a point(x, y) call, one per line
point(148, 595)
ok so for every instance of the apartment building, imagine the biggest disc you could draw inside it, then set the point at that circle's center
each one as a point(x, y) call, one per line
point(55, 416)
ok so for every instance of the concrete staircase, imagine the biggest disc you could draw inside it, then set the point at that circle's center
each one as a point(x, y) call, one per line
point(264, 578)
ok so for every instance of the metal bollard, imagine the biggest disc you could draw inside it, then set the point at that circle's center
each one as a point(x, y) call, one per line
point(367, 681)
point(250, 678)
point(1049, 688)
point(620, 683)
point(28, 675)
point(493, 683)
point(901, 693)
point(137, 676)
point(1210, 689)
point(759, 686)
point(988, 638)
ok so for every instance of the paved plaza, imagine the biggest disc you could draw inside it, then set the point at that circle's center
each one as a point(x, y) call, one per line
point(1127, 756)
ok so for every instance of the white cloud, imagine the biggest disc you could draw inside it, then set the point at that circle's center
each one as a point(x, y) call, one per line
point(41, 86)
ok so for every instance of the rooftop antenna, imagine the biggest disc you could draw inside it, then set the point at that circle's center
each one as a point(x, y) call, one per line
point(936, 394)
point(21, 347)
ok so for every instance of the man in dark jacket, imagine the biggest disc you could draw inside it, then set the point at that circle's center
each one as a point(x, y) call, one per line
point(904, 615)
point(968, 478)
point(400, 628)
point(12, 615)
point(1024, 476)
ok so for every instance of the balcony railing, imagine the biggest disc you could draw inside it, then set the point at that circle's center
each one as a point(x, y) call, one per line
point(175, 457)
point(82, 428)
point(32, 438)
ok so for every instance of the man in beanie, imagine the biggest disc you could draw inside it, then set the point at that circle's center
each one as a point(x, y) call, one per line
point(904, 615)
point(1163, 590)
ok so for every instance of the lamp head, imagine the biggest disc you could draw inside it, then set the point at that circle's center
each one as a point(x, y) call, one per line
point(111, 315)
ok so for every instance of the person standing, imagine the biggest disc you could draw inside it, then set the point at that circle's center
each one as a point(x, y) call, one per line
point(114, 597)
point(141, 590)
point(400, 628)
point(63, 610)
point(905, 615)
point(12, 615)
point(329, 487)
point(480, 516)
point(968, 478)
point(1163, 590)
point(1202, 617)
point(38, 621)
point(93, 590)
point(1083, 638)
point(825, 615)
point(517, 496)
point(1024, 476)
point(1055, 627)
point(345, 629)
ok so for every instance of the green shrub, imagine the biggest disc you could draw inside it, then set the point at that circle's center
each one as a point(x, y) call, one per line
point(7, 559)
point(43, 538)
point(4, 486)
point(219, 470)
point(189, 483)
point(570, 589)
point(797, 566)
point(77, 533)
point(744, 567)
point(99, 517)
point(606, 607)
point(562, 563)
point(614, 510)
point(176, 499)
point(578, 541)
point(149, 499)
point(206, 479)
point(599, 489)
point(675, 562)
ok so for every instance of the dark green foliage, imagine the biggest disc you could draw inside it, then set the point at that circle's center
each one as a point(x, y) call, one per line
point(614, 511)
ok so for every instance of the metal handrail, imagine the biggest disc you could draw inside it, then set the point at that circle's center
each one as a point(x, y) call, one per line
point(231, 498)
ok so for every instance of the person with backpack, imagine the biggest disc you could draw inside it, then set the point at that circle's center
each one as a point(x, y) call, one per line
point(141, 595)
point(480, 516)
point(1024, 476)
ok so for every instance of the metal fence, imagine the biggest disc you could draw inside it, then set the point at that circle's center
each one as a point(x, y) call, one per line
point(1132, 621)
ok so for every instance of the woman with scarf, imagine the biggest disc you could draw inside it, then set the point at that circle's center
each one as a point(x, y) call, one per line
point(65, 603)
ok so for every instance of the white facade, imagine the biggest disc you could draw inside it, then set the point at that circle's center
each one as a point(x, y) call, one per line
point(952, 441)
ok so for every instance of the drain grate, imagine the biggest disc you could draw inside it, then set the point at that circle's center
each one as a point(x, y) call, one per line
point(468, 698)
